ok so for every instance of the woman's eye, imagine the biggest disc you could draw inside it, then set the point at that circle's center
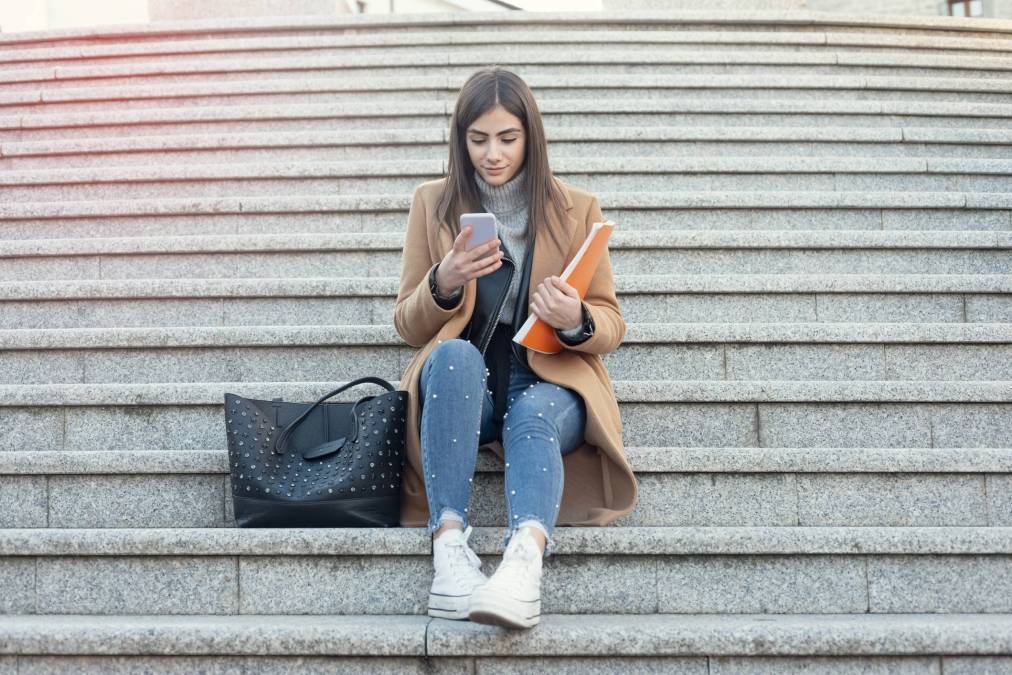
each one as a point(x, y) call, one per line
point(479, 141)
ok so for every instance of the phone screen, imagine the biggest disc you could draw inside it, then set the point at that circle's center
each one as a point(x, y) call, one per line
point(483, 229)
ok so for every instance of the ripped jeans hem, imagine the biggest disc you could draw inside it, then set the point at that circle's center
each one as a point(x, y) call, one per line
point(445, 515)
point(536, 523)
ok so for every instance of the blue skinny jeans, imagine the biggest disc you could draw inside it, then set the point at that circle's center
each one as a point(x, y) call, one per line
point(543, 421)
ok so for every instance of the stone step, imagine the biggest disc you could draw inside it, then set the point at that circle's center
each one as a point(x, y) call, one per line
point(596, 644)
point(546, 87)
point(718, 352)
point(288, 45)
point(611, 201)
point(664, 570)
point(636, 174)
point(631, 252)
point(766, 413)
point(906, 217)
point(848, 298)
point(678, 487)
point(567, 142)
point(556, 112)
point(545, 59)
point(830, 23)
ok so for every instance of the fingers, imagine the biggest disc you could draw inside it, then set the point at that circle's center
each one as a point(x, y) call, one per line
point(460, 243)
point(485, 253)
point(482, 251)
point(487, 265)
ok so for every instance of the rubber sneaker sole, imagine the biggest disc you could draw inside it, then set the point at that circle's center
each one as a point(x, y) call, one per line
point(497, 610)
point(449, 606)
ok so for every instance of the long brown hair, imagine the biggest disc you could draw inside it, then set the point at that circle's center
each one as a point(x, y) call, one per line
point(485, 89)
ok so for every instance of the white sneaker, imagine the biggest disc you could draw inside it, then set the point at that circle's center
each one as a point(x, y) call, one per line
point(458, 572)
point(512, 596)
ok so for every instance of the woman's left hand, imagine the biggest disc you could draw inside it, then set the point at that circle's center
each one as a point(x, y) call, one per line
point(557, 303)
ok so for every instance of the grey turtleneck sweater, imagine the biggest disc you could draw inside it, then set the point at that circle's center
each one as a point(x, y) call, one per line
point(509, 203)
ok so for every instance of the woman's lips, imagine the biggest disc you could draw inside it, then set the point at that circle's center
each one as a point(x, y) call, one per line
point(499, 170)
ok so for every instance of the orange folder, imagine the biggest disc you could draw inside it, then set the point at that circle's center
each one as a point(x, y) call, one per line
point(537, 334)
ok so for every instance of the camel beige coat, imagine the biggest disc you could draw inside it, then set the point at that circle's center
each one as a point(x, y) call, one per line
point(599, 484)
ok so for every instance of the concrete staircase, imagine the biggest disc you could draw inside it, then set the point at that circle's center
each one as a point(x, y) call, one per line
point(813, 256)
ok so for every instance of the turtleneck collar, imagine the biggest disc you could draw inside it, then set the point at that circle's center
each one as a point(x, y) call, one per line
point(506, 198)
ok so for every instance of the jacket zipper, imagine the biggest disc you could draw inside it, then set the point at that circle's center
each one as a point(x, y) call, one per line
point(487, 337)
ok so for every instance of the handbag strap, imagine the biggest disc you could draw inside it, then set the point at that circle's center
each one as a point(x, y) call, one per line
point(282, 440)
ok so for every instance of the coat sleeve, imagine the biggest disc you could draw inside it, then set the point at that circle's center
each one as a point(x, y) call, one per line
point(417, 316)
point(609, 326)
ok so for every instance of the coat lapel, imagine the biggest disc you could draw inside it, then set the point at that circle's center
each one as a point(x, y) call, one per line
point(548, 258)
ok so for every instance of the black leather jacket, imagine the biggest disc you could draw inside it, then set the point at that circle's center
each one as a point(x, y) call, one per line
point(494, 339)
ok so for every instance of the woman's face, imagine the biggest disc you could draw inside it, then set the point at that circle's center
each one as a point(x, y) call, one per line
point(495, 143)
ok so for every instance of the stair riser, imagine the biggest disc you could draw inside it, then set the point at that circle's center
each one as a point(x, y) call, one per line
point(664, 500)
point(385, 221)
point(461, 72)
point(393, 665)
point(721, 362)
point(557, 150)
point(642, 182)
point(731, 424)
point(726, 584)
point(432, 46)
point(664, 308)
point(551, 119)
point(99, 100)
point(624, 262)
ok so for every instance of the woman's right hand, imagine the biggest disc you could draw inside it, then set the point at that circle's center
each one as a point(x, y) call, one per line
point(461, 265)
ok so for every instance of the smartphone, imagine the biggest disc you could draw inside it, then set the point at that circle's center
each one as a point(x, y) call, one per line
point(484, 227)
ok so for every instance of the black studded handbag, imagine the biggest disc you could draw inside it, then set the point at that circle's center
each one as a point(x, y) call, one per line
point(319, 464)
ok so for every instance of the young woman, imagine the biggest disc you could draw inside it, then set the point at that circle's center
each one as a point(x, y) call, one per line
point(552, 418)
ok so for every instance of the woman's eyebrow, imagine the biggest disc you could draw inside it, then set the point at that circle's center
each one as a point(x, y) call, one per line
point(504, 131)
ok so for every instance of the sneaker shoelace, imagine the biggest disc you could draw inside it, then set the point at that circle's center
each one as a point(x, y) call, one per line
point(461, 555)
point(518, 560)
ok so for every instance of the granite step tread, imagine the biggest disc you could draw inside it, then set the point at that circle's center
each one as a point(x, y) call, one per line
point(224, 48)
point(558, 134)
point(445, 85)
point(558, 635)
point(521, 55)
point(169, 337)
point(619, 240)
point(370, 203)
point(808, 21)
point(643, 459)
point(549, 107)
point(656, 391)
point(318, 287)
point(397, 541)
point(429, 169)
